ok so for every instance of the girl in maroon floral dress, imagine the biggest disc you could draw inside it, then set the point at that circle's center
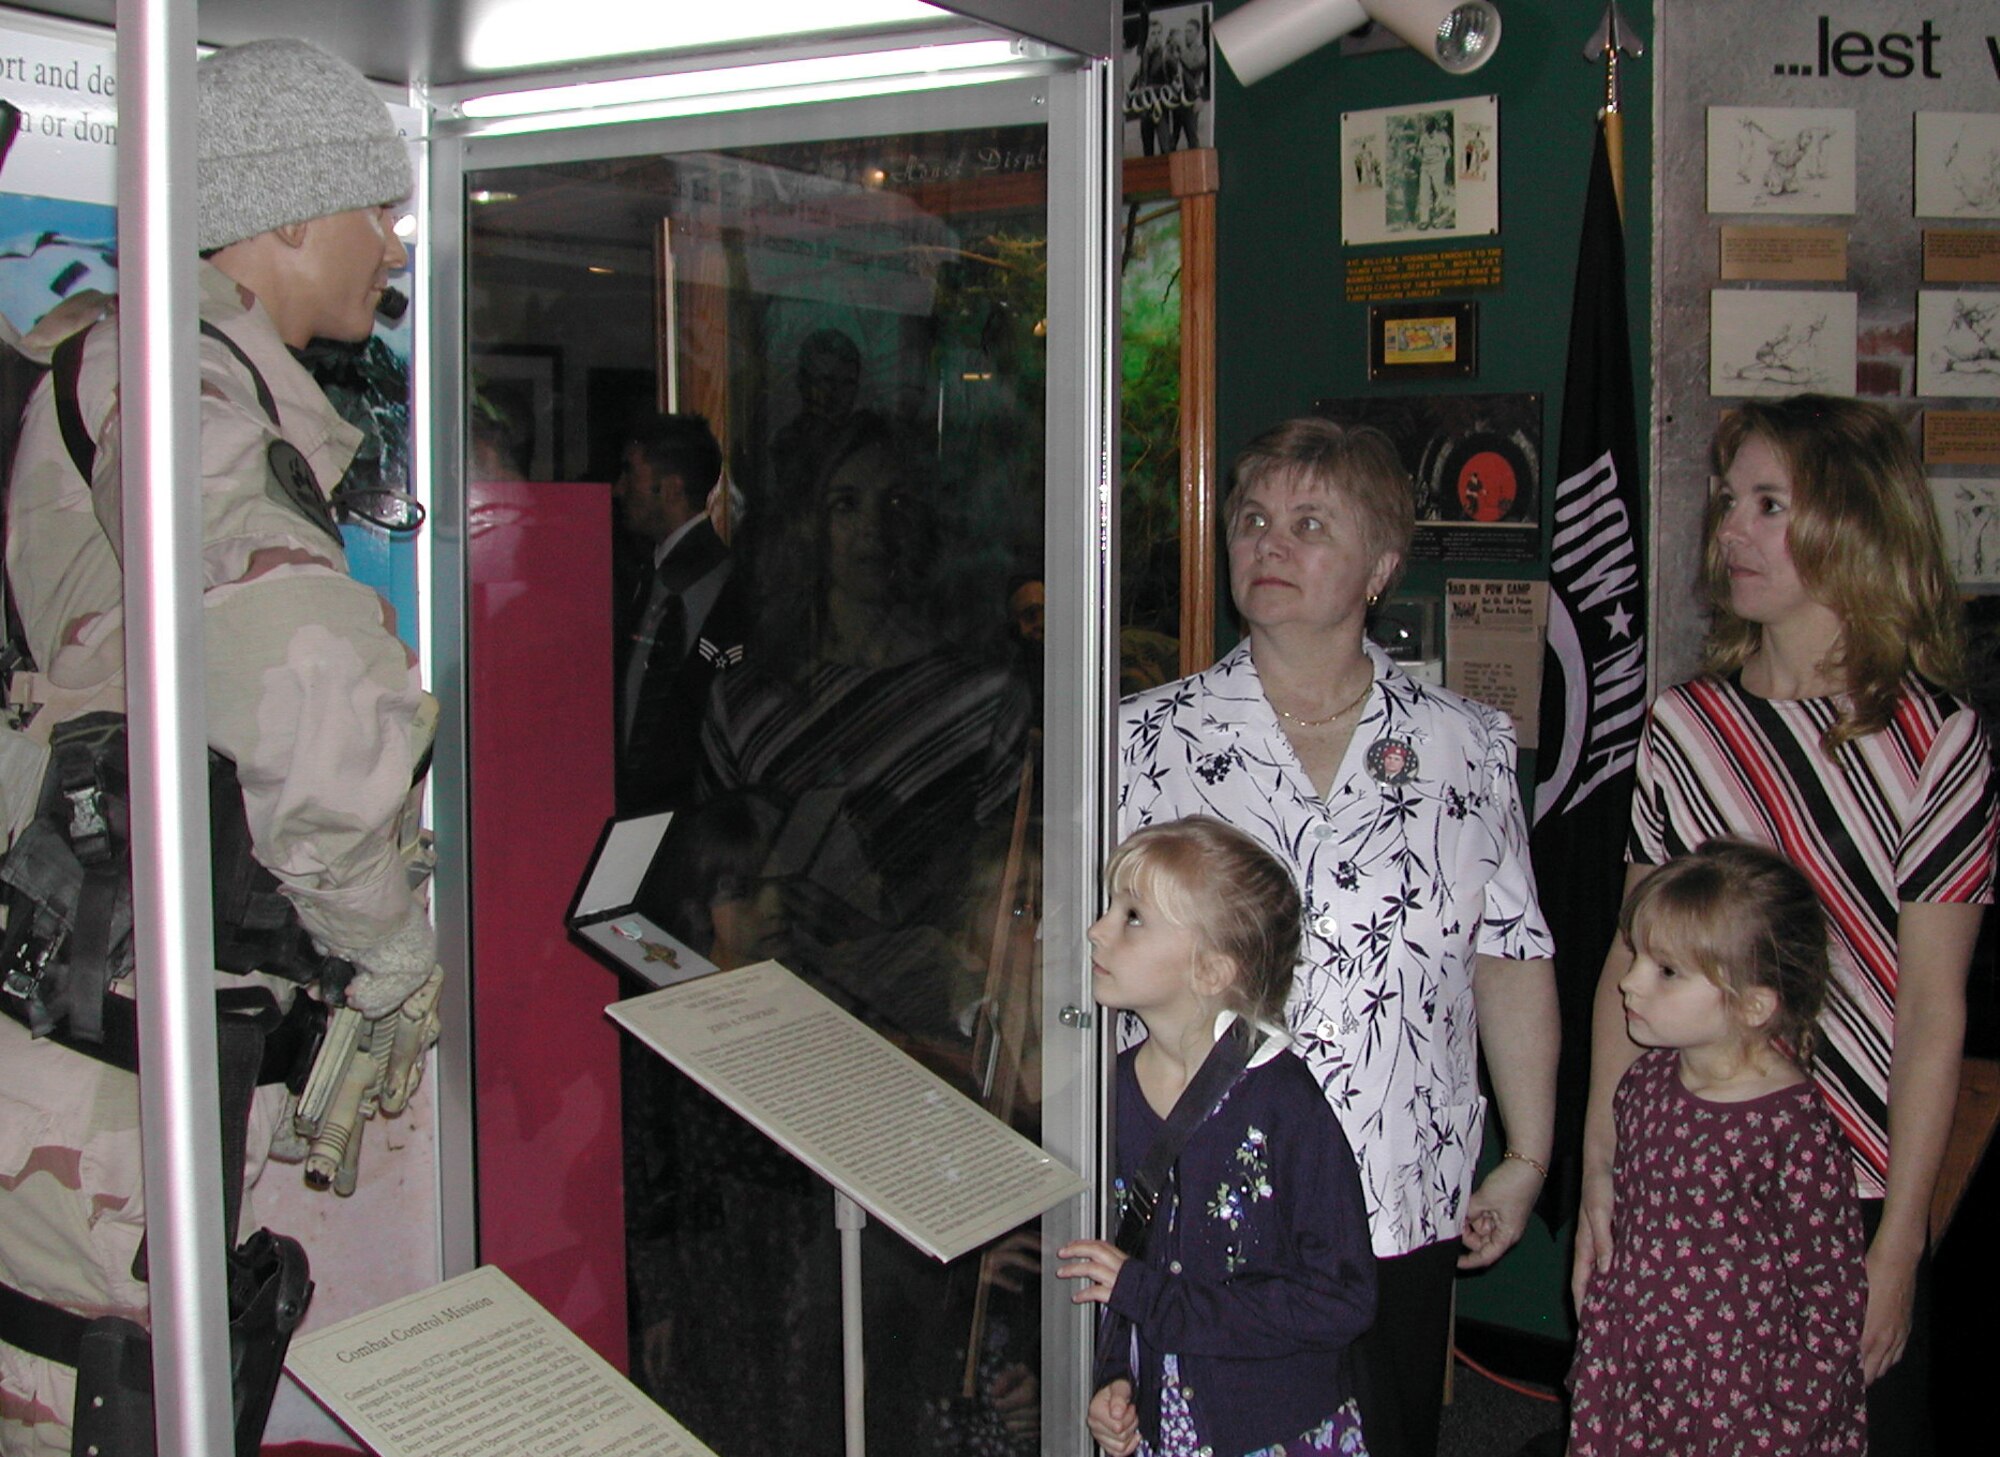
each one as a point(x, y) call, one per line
point(1730, 1319)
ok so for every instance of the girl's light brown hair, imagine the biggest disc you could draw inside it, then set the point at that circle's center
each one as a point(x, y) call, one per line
point(1864, 539)
point(1744, 917)
point(1227, 891)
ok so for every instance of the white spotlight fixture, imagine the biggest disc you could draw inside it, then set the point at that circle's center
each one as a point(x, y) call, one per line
point(1259, 38)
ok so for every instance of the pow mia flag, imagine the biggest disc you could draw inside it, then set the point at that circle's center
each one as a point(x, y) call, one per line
point(1594, 671)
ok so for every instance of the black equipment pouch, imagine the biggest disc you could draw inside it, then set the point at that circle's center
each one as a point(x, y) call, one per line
point(68, 891)
point(114, 1389)
point(269, 1289)
point(68, 894)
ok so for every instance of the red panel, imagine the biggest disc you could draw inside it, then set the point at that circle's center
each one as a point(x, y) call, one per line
point(551, 1197)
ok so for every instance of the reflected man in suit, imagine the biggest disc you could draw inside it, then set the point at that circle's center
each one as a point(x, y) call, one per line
point(686, 614)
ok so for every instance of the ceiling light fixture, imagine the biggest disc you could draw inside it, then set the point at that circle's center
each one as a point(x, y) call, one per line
point(912, 68)
point(507, 34)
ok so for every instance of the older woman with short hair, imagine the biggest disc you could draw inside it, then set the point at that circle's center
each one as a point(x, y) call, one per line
point(1396, 806)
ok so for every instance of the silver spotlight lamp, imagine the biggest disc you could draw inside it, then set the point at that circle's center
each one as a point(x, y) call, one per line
point(1264, 35)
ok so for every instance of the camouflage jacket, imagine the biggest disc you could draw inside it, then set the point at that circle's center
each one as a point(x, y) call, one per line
point(309, 690)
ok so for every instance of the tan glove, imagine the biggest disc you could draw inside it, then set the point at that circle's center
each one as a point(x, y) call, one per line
point(386, 975)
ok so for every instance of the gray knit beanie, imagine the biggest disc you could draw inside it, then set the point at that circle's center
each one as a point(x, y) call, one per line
point(289, 133)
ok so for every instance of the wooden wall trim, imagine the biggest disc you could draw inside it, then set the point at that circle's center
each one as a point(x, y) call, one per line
point(1193, 177)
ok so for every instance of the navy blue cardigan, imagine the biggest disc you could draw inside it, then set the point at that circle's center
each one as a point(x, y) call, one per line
point(1260, 1271)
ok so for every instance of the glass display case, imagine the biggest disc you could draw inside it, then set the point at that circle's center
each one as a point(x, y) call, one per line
point(890, 292)
point(894, 773)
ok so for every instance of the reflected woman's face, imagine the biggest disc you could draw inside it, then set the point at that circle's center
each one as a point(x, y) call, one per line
point(870, 522)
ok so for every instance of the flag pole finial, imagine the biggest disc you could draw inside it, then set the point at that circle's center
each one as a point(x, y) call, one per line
point(1614, 37)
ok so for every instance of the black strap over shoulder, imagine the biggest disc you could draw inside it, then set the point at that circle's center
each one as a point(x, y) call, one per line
point(265, 399)
point(1216, 1076)
point(68, 369)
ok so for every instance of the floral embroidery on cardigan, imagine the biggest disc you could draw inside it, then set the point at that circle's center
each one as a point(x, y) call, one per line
point(1232, 1199)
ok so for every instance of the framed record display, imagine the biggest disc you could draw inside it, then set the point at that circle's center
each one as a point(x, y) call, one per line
point(1475, 464)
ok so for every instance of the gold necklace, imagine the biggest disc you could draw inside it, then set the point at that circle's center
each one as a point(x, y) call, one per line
point(1333, 717)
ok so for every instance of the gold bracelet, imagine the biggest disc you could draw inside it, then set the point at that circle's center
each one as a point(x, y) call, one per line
point(1536, 1164)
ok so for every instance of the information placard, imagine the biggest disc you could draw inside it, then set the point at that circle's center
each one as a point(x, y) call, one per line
point(1382, 277)
point(894, 1137)
point(476, 1368)
point(1798, 255)
point(1962, 437)
point(1961, 255)
point(1493, 647)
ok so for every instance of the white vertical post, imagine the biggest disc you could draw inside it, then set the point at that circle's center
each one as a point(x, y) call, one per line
point(850, 1219)
point(440, 411)
point(1080, 763)
point(161, 460)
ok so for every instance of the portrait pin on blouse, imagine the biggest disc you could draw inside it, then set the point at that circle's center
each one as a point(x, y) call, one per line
point(1392, 760)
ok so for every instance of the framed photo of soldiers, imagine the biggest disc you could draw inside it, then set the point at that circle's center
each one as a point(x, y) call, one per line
point(1412, 173)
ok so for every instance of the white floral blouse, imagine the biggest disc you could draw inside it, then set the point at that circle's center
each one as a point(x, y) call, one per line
point(1413, 865)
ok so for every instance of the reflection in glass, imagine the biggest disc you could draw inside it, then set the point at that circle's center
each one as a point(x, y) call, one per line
point(897, 745)
point(862, 322)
